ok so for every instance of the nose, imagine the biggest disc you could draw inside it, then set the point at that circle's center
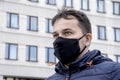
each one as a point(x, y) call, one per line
point(58, 42)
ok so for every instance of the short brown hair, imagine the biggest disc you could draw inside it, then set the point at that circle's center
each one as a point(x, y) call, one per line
point(83, 20)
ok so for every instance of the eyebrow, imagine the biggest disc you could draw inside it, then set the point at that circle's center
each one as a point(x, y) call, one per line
point(62, 30)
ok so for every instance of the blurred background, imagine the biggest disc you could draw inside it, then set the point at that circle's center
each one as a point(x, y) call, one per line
point(26, 43)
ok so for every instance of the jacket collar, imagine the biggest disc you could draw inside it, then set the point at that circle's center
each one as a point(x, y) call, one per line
point(89, 59)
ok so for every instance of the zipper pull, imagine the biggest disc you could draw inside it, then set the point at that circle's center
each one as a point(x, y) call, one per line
point(67, 77)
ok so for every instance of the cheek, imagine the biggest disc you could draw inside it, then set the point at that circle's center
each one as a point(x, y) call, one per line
point(82, 44)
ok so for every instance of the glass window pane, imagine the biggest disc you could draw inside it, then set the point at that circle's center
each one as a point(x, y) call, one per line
point(117, 34)
point(69, 3)
point(14, 20)
point(116, 8)
point(51, 55)
point(118, 58)
point(49, 27)
point(101, 6)
point(13, 51)
point(85, 4)
point(33, 53)
point(33, 23)
point(51, 1)
point(101, 32)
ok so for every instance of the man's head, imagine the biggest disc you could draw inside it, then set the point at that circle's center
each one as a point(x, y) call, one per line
point(83, 21)
point(72, 24)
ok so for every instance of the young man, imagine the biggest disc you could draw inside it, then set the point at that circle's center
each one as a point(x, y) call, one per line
point(72, 34)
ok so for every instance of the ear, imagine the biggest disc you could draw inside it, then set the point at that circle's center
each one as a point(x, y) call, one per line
point(88, 39)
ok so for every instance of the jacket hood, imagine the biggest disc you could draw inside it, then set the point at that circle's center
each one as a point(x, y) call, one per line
point(89, 59)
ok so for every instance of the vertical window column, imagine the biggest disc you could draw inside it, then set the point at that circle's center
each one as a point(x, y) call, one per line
point(12, 20)
point(11, 51)
point(68, 3)
point(51, 2)
point(117, 34)
point(85, 4)
point(116, 8)
point(49, 27)
point(118, 58)
point(101, 6)
point(101, 32)
point(50, 58)
point(32, 23)
point(32, 52)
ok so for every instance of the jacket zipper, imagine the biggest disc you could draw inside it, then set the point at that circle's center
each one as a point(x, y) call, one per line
point(67, 74)
point(67, 77)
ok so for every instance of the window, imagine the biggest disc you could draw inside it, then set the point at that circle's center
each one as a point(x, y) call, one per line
point(116, 8)
point(33, 0)
point(31, 53)
point(32, 23)
point(51, 2)
point(69, 3)
point(101, 32)
point(16, 78)
point(49, 27)
point(12, 20)
point(101, 6)
point(85, 4)
point(117, 34)
point(50, 58)
point(11, 51)
point(118, 58)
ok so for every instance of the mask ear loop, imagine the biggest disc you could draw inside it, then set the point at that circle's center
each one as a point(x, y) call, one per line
point(85, 45)
point(81, 37)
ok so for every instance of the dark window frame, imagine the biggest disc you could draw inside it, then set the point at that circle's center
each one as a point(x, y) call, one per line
point(88, 5)
point(29, 53)
point(117, 57)
point(115, 38)
point(10, 25)
point(65, 2)
point(29, 27)
point(47, 56)
point(49, 3)
point(8, 53)
point(114, 8)
point(105, 34)
point(34, 1)
point(48, 25)
point(103, 6)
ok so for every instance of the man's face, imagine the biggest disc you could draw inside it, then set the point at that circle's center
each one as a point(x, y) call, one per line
point(68, 29)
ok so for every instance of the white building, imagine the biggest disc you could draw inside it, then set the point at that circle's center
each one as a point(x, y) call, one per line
point(26, 50)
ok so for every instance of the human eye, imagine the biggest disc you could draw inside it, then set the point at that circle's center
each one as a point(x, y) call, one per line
point(67, 33)
point(55, 35)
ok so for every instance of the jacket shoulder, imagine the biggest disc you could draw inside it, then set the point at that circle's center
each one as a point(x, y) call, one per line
point(116, 71)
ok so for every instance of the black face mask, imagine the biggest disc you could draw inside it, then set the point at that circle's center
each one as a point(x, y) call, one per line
point(67, 50)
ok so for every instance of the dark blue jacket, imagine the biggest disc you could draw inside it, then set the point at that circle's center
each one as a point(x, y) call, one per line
point(92, 66)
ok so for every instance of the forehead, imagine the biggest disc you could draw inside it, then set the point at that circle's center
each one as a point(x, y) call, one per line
point(62, 24)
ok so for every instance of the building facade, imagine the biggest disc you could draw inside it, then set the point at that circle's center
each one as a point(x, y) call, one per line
point(26, 50)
